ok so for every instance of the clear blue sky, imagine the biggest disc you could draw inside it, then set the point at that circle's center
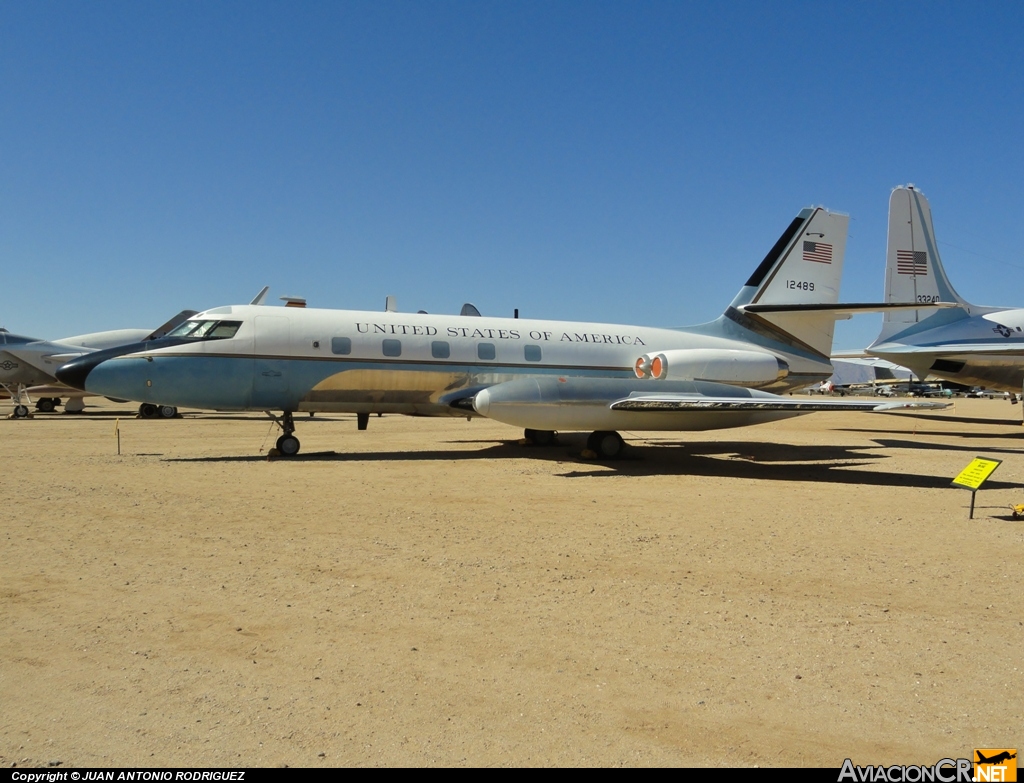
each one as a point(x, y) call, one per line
point(627, 162)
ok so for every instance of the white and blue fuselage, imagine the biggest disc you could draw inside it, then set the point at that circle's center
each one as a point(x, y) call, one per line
point(246, 357)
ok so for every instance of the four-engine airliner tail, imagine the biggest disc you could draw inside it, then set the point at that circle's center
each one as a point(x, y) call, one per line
point(542, 375)
point(968, 344)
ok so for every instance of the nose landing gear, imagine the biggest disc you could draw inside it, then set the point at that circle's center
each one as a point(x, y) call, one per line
point(287, 444)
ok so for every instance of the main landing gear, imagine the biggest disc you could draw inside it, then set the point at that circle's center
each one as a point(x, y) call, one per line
point(540, 437)
point(148, 411)
point(47, 404)
point(600, 445)
point(606, 444)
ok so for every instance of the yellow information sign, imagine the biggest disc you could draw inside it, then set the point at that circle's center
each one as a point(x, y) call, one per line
point(975, 474)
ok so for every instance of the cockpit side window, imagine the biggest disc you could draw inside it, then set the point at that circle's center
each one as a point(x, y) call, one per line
point(184, 329)
point(200, 331)
point(223, 330)
point(206, 330)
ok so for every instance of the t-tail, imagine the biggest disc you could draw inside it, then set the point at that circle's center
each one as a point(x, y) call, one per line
point(792, 297)
point(913, 269)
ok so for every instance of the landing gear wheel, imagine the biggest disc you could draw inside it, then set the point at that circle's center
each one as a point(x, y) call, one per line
point(540, 437)
point(288, 445)
point(45, 404)
point(20, 412)
point(607, 445)
point(167, 411)
point(147, 411)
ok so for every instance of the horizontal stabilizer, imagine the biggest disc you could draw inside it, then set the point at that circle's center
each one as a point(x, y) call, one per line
point(842, 310)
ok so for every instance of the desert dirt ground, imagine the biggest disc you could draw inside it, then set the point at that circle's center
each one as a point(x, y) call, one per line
point(430, 592)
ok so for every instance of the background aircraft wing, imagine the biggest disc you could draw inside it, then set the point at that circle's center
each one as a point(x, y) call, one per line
point(958, 349)
point(41, 355)
point(179, 319)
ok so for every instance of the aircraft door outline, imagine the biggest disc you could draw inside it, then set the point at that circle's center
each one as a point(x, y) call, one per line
point(271, 346)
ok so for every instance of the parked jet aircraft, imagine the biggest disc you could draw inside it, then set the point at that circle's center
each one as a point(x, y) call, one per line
point(775, 336)
point(27, 365)
point(968, 344)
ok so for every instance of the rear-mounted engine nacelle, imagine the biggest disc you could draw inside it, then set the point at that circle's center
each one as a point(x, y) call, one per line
point(711, 364)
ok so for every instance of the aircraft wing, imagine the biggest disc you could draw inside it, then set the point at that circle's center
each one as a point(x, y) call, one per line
point(688, 402)
point(956, 349)
point(560, 403)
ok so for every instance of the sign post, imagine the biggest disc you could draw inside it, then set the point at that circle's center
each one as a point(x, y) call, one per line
point(974, 475)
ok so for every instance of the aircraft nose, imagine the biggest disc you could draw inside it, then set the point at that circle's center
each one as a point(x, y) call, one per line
point(75, 372)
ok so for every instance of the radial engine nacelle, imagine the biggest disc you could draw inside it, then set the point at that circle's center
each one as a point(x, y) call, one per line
point(723, 365)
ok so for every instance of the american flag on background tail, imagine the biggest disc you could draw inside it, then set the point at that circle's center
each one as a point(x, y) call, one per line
point(911, 262)
point(818, 251)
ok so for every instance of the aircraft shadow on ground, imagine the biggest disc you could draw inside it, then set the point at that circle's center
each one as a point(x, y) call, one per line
point(85, 415)
point(952, 418)
point(739, 459)
point(1018, 436)
point(497, 451)
point(920, 444)
point(804, 464)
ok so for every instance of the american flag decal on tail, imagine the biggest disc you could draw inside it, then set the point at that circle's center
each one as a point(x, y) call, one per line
point(911, 262)
point(820, 252)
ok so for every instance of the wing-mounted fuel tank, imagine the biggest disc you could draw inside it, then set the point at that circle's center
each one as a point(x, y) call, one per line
point(566, 403)
point(721, 365)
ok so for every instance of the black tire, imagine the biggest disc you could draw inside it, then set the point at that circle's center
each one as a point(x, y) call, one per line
point(167, 411)
point(147, 411)
point(288, 445)
point(20, 412)
point(540, 437)
point(607, 445)
point(45, 404)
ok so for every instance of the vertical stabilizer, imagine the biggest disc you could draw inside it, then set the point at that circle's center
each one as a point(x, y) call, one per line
point(913, 269)
point(803, 268)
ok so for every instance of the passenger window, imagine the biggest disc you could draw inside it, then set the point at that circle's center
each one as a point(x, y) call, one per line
point(341, 345)
point(392, 347)
point(532, 353)
point(485, 350)
point(439, 349)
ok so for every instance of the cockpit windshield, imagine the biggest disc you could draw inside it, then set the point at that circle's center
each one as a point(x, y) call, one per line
point(206, 330)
